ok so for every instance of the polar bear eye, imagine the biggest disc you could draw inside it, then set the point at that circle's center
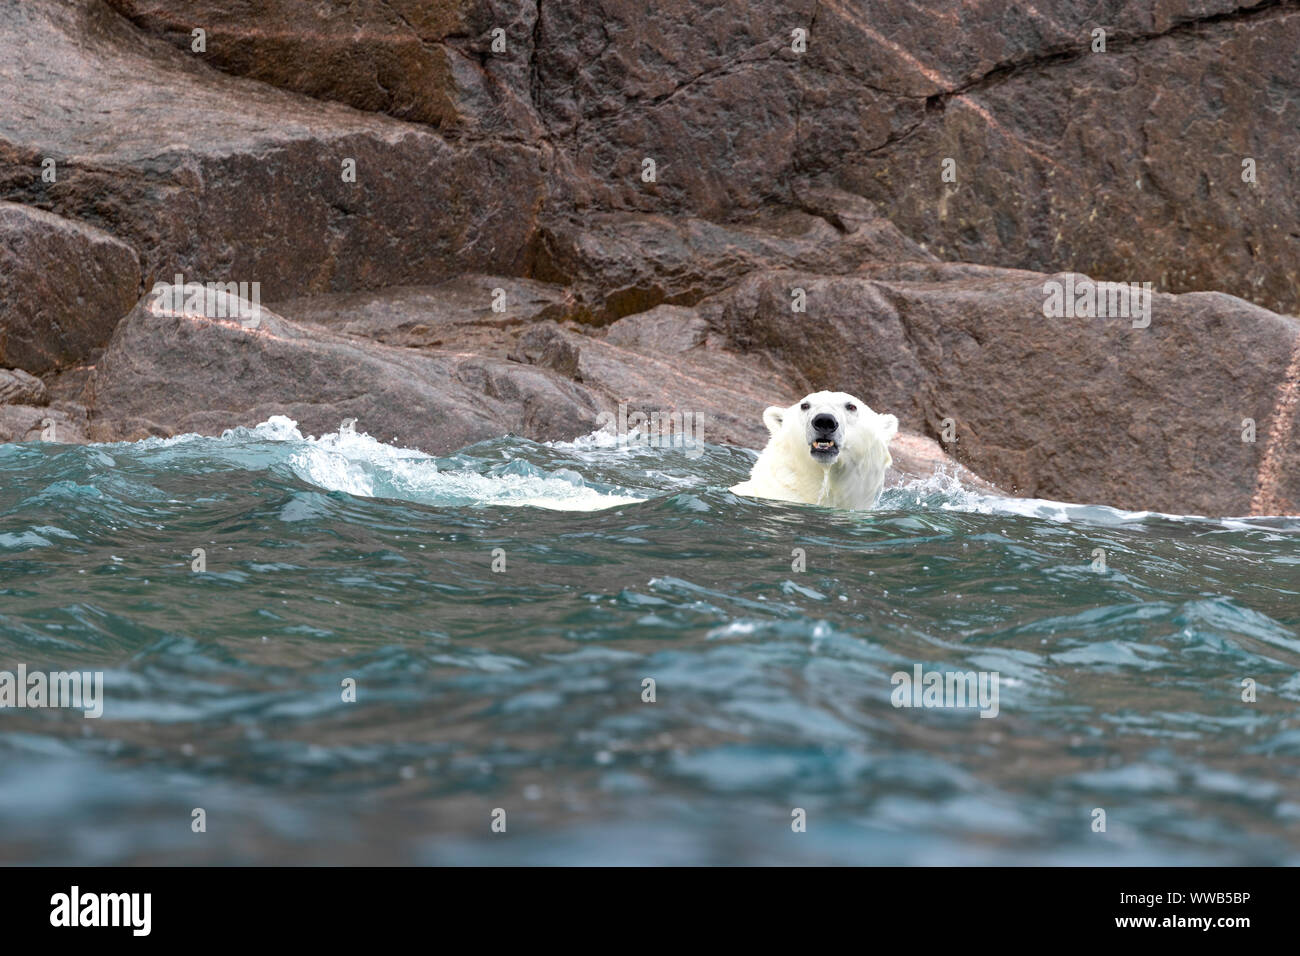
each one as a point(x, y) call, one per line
point(850, 406)
point(804, 407)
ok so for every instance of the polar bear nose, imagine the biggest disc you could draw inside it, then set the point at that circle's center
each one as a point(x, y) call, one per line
point(825, 423)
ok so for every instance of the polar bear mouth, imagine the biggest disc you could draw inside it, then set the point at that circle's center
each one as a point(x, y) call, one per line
point(824, 449)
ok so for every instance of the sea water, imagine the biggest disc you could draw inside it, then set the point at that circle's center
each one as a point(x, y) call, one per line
point(334, 650)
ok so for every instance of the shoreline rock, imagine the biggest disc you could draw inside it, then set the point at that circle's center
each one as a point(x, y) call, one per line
point(791, 239)
point(437, 398)
point(63, 287)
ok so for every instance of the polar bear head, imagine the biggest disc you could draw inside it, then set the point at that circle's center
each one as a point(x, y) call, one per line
point(827, 425)
point(829, 448)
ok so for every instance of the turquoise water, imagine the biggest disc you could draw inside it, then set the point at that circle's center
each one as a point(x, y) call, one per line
point(522, 689)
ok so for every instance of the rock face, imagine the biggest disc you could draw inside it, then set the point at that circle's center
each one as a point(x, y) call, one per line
point(63, 288)
point(1063, 158)
point(224, 179)
point(425, 62)
point(1065, 155)
point(1170, 158)
point(622, 263)
point(481, 216)
point(436, 315)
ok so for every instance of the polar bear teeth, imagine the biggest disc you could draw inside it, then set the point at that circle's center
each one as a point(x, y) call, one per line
point(823, 445)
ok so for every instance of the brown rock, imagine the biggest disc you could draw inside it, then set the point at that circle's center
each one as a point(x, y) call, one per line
point(623, 263)
point(431, 315)
point(664, 330)
point(63, 287)
point(1126, 165)
point(424, 62)
point(148, 384)
point(226, 179)
point(19, 388)
point(546, 346)
point(621, 364)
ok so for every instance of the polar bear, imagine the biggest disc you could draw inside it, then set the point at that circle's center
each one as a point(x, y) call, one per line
point(828, 449)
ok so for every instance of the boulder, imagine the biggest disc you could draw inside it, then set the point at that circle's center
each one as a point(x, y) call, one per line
point(147, 383)
point(63, 287)
point(19, 388)
point(665, 330)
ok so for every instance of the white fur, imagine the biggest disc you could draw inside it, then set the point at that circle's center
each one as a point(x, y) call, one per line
point(787, 470)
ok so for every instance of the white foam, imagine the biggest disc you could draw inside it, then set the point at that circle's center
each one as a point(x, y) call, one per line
point(633, 442)
point(601, 438)
point(361, 465)
point(962, 499)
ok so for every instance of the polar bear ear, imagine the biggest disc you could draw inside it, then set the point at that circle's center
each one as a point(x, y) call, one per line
point(888, 427)
point(773, 418)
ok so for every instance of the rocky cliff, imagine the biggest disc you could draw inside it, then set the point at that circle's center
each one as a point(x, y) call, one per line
point(467, 217)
